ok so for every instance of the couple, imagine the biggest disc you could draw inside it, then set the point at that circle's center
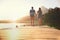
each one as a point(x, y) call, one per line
point(39, 15)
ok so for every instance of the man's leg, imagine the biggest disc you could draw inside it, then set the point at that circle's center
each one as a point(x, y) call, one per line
point(32, 20)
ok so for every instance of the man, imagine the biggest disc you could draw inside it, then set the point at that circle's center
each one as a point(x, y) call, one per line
point(32, 13)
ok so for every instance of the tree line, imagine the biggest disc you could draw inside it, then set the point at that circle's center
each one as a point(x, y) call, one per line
point(52, 17)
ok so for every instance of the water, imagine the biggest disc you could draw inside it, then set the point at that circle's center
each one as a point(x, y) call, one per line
point(10, 25)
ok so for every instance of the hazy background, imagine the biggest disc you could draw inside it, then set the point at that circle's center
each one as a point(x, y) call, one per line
point(14, 9)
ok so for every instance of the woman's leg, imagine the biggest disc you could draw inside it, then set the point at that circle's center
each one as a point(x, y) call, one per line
point(40, 21)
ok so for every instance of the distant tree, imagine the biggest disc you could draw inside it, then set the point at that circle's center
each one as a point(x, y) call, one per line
point(52, 18)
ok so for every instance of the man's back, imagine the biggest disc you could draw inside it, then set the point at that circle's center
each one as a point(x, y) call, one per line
point(32, 12)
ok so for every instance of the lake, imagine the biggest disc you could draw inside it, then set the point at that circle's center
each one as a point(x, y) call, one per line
point(10, 25)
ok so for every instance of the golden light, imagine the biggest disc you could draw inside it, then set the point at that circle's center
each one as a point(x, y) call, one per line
point(13, 34)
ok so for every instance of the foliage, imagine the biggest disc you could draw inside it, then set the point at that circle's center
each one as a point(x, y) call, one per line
point(52, 18)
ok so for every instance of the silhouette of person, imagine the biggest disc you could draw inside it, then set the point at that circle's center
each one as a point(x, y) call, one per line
point(39, 13)
point(32, 13)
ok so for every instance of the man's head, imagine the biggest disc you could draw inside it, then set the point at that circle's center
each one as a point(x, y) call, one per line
point(31, 7)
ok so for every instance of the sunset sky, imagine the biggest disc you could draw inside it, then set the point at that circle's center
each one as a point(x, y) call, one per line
point(14, 9)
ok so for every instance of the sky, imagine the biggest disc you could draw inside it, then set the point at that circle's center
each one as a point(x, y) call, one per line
point(14, 9)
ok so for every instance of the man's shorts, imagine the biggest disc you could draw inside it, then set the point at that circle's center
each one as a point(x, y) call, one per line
point(31, 15)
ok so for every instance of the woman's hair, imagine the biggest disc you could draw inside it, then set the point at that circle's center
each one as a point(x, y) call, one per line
point(39, 8)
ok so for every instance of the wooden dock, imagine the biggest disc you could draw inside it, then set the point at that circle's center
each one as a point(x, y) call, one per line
point(30, 33)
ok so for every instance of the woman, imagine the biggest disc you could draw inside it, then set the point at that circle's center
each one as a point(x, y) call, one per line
point(39, 13)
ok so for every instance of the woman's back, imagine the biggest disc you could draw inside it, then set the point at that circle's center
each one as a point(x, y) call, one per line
point(39, 13)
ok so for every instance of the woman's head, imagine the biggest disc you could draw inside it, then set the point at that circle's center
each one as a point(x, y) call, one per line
point(39, 8)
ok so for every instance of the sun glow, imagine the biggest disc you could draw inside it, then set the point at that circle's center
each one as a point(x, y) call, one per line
point(14, 9)
point(12, 16)
point(13, 34)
